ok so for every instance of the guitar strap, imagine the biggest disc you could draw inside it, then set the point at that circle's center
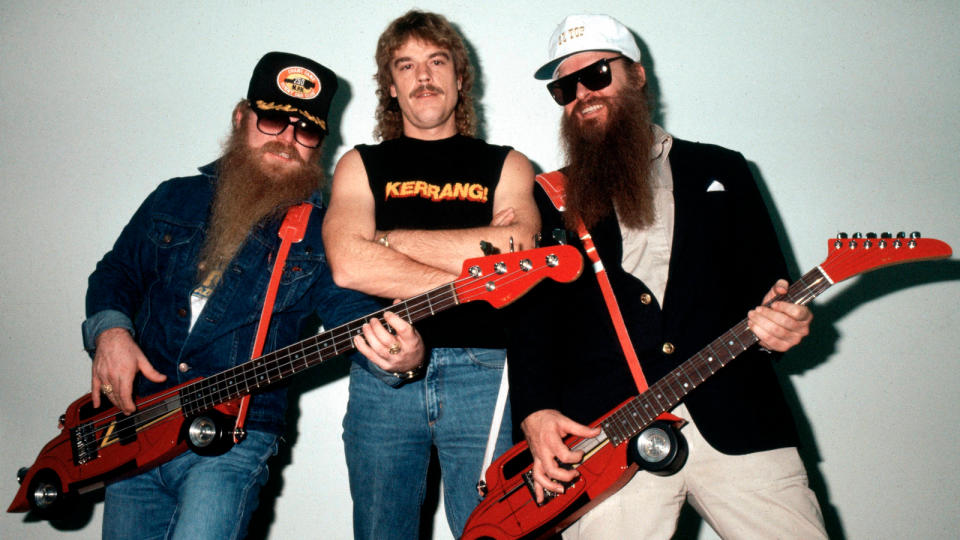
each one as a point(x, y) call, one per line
point(292, 230)
point(554, 184)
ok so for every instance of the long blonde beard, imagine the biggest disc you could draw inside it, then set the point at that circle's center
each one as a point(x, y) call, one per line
point(249, 192)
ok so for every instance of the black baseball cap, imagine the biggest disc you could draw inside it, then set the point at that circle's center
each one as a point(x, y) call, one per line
point(294, 84)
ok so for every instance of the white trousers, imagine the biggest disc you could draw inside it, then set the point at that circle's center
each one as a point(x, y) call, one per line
point(760, 495)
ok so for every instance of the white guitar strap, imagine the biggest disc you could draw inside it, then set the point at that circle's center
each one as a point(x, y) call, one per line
point(494, 429)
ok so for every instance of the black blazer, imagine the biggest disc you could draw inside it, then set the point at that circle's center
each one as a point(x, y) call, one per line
point(564, 353)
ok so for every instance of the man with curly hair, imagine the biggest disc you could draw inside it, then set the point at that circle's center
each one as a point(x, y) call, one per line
point(404, 214)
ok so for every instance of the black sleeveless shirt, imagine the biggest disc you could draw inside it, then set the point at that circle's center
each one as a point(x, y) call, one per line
point(435, 185)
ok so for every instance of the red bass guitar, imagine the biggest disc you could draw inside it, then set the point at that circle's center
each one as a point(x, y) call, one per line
point(99, 446)
point(509, 509)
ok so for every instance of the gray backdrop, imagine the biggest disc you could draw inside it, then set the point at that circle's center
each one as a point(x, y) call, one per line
point(847, 111)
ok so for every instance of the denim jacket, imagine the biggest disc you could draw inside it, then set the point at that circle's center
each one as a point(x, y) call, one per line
point(144, 284)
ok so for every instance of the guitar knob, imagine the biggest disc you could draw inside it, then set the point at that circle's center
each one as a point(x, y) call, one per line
point(842, 236)
point(915, 234)
point(22, 473)
point(901, 234)
point(886, 235)
point(857, 235)
point(871, 235)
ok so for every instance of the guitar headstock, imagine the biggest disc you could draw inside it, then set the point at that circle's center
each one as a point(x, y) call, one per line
point(849, 256)
point(502, 278)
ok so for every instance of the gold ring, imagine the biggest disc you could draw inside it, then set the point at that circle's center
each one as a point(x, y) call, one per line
point(395, 348)
point(106, 388)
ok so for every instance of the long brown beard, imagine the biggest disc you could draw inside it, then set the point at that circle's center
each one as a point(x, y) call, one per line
point(250, 191)
point(609, 165)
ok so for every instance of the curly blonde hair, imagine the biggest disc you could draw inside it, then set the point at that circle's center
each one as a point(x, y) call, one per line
point(429, 28)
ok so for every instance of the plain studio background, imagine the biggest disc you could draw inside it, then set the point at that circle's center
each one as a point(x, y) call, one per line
point(847, 111)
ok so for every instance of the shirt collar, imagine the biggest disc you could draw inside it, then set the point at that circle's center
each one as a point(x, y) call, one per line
point(659, 152)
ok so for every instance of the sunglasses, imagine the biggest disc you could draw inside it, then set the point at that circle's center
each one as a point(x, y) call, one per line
point(276, 122)
point(593, 77)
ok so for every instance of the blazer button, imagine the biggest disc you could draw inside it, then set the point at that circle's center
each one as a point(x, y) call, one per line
point(183, 367)
point(182, 312)
point(645, 298)
point(167, 239)
point(668, 348)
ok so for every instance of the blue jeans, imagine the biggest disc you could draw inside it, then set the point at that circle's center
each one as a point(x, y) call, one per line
point(191, 497)
point(388, 433)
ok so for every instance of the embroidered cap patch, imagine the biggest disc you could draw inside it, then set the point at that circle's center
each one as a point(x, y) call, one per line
point(298, 82)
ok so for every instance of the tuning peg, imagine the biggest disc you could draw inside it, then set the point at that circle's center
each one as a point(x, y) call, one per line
point(857, 235)
point(842, 236)
point(536, 240)
point(511, 244)
point(901, 234)
point(915, 234)
point(871, 235)
point(886, 235)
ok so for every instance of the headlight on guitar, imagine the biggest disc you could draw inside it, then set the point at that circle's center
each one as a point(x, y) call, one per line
point(660, 449)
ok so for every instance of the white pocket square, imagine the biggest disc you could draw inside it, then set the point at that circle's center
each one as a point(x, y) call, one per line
point(716, 186)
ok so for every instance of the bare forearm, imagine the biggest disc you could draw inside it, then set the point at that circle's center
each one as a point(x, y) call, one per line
point(447, 249)
point(371, 268)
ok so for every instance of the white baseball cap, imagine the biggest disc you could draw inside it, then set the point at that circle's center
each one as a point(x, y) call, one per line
point(587, 32)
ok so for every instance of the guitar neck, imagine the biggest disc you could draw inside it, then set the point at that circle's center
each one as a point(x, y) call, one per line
point(283, 363)
point(638, 413)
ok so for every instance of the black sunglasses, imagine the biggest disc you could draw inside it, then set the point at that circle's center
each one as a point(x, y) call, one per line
point(593, 77)
point(276, 122)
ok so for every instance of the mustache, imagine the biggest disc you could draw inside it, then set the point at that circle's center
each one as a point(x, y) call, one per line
point(423, 88)
point(277, 147)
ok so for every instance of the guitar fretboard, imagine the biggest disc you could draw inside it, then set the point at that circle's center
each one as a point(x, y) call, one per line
point(277, 365)
point(638, 413)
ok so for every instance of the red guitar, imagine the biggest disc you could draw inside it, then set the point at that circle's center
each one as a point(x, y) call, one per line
point(99, 446)
point(510, 510)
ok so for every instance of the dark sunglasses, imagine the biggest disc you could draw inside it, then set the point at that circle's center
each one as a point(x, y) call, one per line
point(593, 77)
point(276, 122)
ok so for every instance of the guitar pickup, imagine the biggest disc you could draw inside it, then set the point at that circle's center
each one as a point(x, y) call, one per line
point(547, 494)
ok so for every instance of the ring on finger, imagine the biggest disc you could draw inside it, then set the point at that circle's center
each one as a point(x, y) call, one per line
point(106, 388)
point(395, 348)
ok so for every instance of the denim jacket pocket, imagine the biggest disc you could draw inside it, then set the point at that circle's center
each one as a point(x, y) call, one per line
point(173, 241)
point(298, 276)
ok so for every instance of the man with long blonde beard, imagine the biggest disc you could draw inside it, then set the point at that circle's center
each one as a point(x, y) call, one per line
point(404, 214)
point(178, 297)
point(688, 246)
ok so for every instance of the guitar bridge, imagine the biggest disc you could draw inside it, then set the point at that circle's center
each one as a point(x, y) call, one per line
point(83, 442)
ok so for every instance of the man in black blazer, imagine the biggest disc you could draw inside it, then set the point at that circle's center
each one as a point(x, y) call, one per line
point(688, 246)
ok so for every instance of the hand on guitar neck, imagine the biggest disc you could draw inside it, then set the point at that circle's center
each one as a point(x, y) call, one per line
point(115, 366)
point(780, 325)
point(400, 351)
